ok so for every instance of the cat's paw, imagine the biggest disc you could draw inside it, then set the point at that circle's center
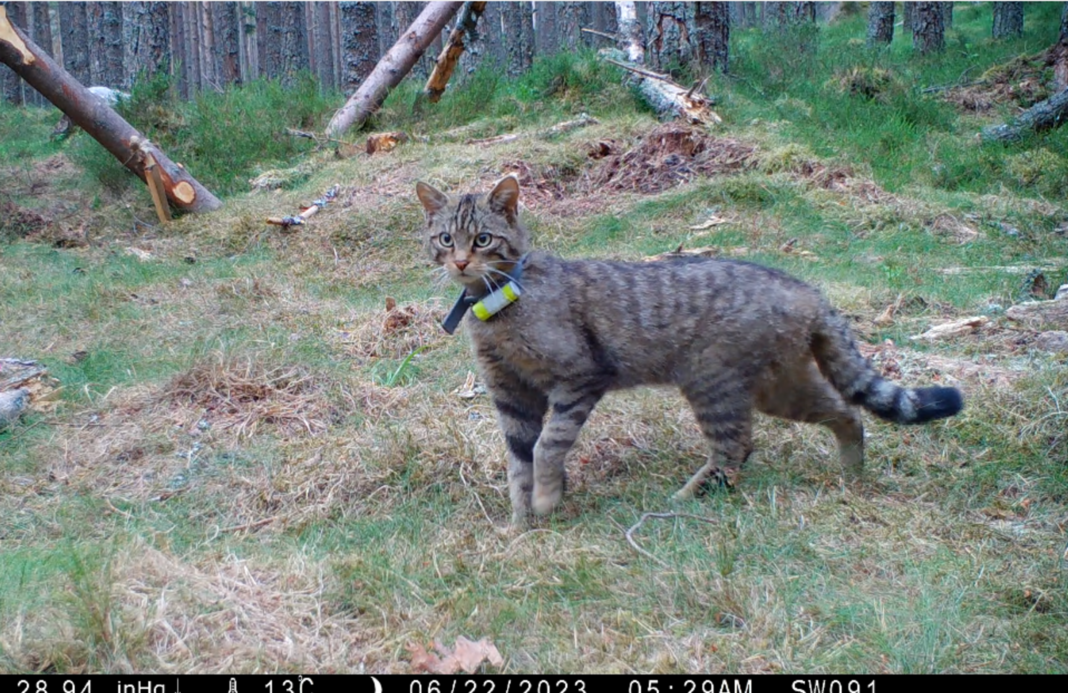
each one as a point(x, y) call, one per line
point(544, 502)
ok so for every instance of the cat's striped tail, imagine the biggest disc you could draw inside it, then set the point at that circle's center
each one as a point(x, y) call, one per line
point(852, 375)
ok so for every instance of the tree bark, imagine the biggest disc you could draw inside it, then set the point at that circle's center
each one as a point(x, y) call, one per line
point(630, 32)
point(908, 15)
point(519, 35)
point(1059, 53)
point(105, 44)
point(323, 45)
point(11, 86)
point(146, 26)
point(269, 35)
point(547, 40)
point(712, 26)
point(668, 44)
point(360, 42)
point(1008, 20)
point(928, 32)
point(570, 18)
point(227, 54)
point(205, 18)
point(947, 15)
point(248, 37)
point(294, 41)
point(91, 113)
point(880, 23)
point(74, 35)
point(393, 67)
point(1044, 115)
point(42, 36)
point(177, 39)
point(466, 27)
point(192, 47)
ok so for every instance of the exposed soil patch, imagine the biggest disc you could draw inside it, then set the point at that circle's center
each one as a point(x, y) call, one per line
point(670, 154)
point(18, 222)
point(397, 331)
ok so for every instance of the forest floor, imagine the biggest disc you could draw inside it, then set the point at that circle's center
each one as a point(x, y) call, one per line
point(258, 452)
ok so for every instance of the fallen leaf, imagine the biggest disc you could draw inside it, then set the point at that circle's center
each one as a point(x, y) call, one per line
point(466, 655)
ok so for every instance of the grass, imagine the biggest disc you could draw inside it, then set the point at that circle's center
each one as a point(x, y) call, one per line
point(258, 457)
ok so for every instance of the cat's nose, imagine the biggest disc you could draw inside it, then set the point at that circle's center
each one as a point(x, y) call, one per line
point(461, 264)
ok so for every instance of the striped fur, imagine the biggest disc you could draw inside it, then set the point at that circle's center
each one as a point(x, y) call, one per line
point(732, 336)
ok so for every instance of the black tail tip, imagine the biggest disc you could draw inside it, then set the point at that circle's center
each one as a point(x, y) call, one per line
point(937, 403)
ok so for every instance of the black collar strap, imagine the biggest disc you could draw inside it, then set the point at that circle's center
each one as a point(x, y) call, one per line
point(464, 302)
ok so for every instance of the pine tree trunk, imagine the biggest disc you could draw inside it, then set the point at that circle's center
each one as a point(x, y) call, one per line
point(908, 14)
point(105, 45)
point(802, 11)
point(74, 38)
point(668, 44)
point(1008, 20)
point(630, 32)
point(547, 39)
point(518, 30)
point(227, 54)
point(359, 34)
point(947, 15)
point(178, 53)
point(145, 28)
point(269, 17)
point(712, 29)
point(570, 18)
point(248, 37)
point(11, 85)
point(208, 77)
point(1059, 53)
point(42, 36)
point(323, 46)
point(604, 17)
point(490, 45)
point(192, 47)
point(294, 41)
point(19, 52)
point(384, 21)
point(928, 34)
point(880, 23)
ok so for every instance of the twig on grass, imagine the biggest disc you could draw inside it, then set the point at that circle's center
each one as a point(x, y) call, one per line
point(659, 516)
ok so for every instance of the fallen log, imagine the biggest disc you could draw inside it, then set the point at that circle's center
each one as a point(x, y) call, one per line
point(393, 67)
point(667, 98)
point(1044, 115)
point(309, 211)
point(1042, 315)
point(952, 329)
point(454, 48)
point(97, 118)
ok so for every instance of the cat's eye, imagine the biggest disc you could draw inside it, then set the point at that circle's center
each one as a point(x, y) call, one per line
point(482, 240)
point(445, 239)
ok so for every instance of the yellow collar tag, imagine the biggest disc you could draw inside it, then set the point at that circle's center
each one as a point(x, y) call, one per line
point(496, 301)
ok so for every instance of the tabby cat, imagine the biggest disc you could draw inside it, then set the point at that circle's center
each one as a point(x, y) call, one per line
point(553, 336)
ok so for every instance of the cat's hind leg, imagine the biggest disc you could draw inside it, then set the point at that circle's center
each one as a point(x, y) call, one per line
point(804, 395)
point(570, 409)
point(725, 417)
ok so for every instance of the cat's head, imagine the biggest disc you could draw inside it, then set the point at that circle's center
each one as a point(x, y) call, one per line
point(476, 238)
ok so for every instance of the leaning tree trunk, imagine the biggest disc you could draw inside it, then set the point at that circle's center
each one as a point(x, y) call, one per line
point(466, 28)
point(712, 28)
point(928, 32)
point(393, 67)
point(1008, 20)
point(359, 40)
point(93, 115)
point(880, 23)
point(11, 87)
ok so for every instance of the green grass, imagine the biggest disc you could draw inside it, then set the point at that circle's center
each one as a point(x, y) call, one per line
point(244, 523)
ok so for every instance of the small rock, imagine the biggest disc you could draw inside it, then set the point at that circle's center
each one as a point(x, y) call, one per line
point(12, 404)
point(1062, 293)
point(1054, 341)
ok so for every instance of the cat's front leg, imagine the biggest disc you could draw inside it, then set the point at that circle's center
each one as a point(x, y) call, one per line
point(570, 409)
point(521, 413)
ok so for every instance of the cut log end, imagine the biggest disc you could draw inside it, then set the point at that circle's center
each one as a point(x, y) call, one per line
point(184, 192)
point(10, 37)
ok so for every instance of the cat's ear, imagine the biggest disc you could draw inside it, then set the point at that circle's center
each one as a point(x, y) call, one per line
point(504, 198)
point(433, 200)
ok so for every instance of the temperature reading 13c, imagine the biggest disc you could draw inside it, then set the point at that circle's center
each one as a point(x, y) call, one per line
point(291, 686)
point(41, 686)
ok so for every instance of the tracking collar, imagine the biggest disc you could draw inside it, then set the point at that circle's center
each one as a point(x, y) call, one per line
point(486, 307)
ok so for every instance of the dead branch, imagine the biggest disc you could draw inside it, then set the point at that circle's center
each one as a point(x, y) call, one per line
point(310, 211)
point(668, 98)
point(1044, 115)
point(582, 121)
point(454, 48)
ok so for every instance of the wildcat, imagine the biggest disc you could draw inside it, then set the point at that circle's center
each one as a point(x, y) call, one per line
point(732, 336)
